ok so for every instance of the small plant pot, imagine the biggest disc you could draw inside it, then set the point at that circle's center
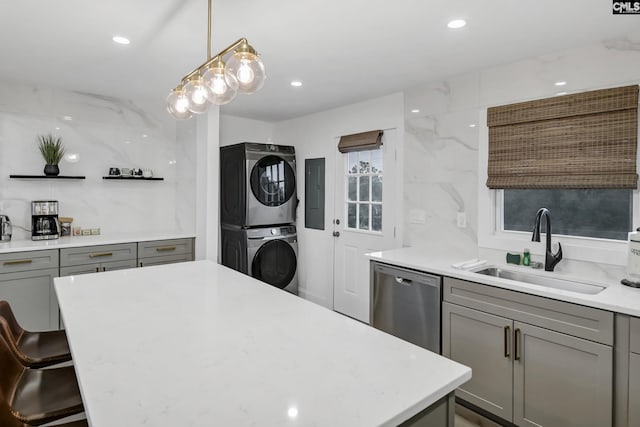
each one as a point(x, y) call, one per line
point(51, 170)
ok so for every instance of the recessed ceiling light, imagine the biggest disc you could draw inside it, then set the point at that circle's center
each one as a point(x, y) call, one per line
point(457, 23)
point(120, 40)
point(296, 83)
point(560, 83)
point(415, 110)
point(67, 118)
point(472, 125)
point(144, 135)
point(561, 93)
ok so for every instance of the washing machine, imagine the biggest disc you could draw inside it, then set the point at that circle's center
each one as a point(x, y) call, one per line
point(257, 184)
point(269, 254)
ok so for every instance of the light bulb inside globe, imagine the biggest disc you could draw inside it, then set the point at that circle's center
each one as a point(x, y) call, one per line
point(178, 104)
point(246, 66)
point(222, 84)
point(198, 95)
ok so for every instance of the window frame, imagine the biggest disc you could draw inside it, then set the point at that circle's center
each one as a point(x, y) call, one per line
point(358, 202)
point(491, 236)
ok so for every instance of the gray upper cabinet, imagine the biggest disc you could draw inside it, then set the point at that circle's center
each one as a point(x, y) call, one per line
point(26, 282)
point(535, 361)
point(165, 252)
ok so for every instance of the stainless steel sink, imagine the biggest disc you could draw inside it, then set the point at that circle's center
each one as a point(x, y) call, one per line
point(539, 280)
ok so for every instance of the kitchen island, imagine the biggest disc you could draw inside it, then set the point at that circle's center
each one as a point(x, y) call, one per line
point(198, 344)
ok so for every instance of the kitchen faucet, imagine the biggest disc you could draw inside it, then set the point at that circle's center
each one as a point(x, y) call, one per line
point(550, 259)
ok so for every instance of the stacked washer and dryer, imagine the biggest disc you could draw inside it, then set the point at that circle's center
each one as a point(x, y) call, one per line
point(258, 211)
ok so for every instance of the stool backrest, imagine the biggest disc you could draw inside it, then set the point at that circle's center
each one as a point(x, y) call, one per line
point(7, 313)
point(11, 369)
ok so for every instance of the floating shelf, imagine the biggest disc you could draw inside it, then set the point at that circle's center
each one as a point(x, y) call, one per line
point(45, 177)
point(133, 178)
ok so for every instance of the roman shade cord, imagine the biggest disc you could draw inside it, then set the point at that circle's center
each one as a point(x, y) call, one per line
point(370, 140)
point(584, 140)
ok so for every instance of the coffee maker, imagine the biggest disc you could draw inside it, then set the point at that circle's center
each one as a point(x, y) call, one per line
point(633, 261)
point(44, 220)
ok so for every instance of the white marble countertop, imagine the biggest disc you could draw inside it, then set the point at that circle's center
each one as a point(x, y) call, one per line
point(198, 344)
point(616, 297)
point(93, 240)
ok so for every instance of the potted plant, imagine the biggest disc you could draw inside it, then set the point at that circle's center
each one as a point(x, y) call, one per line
point(52, 150)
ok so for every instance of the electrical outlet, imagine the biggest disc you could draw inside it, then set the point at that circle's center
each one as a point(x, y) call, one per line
point(462, 220)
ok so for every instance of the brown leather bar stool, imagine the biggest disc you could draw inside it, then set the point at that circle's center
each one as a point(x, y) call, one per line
point(36, 396)
point(34, 349)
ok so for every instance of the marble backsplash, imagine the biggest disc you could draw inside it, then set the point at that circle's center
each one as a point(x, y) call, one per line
point(98, 132)
point(443, 139)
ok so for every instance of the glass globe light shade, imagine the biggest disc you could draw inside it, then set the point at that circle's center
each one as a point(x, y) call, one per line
point(178, 104)
point(198, 94)
point(223, 85)
point(247, 67)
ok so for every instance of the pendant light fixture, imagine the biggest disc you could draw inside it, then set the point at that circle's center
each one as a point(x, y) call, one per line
point(217, 82)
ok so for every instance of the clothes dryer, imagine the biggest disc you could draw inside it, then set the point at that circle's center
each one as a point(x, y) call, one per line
point(257, 185)
point(269, 254)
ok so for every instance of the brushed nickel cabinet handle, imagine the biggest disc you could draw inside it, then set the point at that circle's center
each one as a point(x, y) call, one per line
point(166, 248)
point(507, 341)
point(517, 344)
point(100, 254)
point(18, 261)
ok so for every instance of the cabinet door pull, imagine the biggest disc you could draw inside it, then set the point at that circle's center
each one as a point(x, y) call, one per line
point(100, 254)
point(507, 341)
point(517, 344)
point(18, 261)
point(104, 268)
point(166, 248)
point(97, 269)
point(141, 264)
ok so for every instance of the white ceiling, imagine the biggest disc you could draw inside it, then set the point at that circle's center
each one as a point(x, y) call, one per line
point(343, 51)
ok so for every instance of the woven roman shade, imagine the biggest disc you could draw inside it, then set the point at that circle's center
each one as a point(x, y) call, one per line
point(585, 140)
point(360, 141)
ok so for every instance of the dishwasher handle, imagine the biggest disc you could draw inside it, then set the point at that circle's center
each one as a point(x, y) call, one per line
point(403, 281)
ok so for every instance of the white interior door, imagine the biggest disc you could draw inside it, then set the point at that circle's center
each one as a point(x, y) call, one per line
point(364, 221)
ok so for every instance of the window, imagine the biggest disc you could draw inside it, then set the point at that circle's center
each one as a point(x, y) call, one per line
point(595, 213)
point(364, 190)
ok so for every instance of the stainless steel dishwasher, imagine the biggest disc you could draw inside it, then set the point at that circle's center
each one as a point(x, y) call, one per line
point(406, 304)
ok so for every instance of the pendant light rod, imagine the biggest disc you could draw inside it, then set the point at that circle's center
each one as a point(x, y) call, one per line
point(209, 33)
point(220, 54)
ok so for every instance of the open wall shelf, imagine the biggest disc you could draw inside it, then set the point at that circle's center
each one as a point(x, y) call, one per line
point(132, 178)
point(45, 177)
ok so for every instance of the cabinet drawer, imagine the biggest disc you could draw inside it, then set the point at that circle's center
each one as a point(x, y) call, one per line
point(97, 254)
point(168, 259)
point(584, 322)
point(97, 268)
point(635, 335)
point(165, 247)
point(27, 261)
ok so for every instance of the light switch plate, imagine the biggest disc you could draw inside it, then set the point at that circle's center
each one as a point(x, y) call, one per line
point(417, 216)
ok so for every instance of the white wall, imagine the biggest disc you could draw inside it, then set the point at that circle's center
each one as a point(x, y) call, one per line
point(316, 136)
point(104, 132)
point(234, 130)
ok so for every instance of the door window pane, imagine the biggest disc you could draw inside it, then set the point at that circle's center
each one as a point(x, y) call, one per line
point(363, 216)
point(352, 193)
point(376, 217)
point(351, 215)
point(365, 165)
point(364, 188)
point(352, 162)
point(376, 188)
point(598, 213)
point(376, 161)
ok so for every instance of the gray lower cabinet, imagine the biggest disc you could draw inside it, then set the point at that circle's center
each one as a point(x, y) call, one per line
point(524, 371)
point(95, 259)
point(26, 282)
point(634, 389)
point(158, 252)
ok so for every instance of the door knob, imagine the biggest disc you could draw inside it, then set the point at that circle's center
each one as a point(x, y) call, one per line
point(337, 222)
point(336, 234)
